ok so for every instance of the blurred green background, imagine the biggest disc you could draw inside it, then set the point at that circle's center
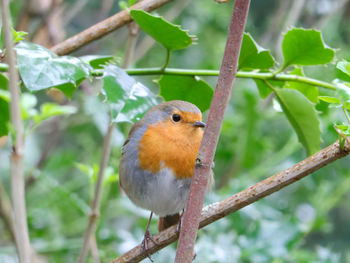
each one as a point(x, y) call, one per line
point(305, 222)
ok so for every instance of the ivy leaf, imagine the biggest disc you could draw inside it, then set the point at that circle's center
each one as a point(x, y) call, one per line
point(305, 47)
point(4, 106)
point(302, 116)
point(187, 88)
point(41, 69)
point(97, 62)
point(129, 100)
point(310, 91)
point(253, 56)
point(169, 35)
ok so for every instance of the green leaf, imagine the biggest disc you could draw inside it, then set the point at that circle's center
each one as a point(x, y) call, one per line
point(187, 88)
point(48, 110)
point(344, 66)
point(41, 69)
point(347, 105)
point(129, 100)
point(343, 90)
point(305, 47)
point(169, 35)
point(4, 106)
point(97, 62)
point(329, 99)
point(18, 35)
point(253, 56)
point(310, 91)
point(264, 89)
point(345, 129)
point(302, 116)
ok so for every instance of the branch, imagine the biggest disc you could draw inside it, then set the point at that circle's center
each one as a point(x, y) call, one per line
point(190, 224)
point(17, 178)
point(95, 207)
point(105, 27)
point(240, 74)
point(216, 211)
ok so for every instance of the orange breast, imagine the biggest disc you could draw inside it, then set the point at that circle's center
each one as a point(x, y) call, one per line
point(166, 144)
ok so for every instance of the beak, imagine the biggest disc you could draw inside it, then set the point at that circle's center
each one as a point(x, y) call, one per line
point(199, 124)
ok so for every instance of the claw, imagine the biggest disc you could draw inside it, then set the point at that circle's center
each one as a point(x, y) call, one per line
point(148, 237)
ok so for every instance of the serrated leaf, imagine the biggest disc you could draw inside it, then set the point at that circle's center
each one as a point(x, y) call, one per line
point(305, 47)
point(97, 62)
point(310, 91)
point(128, 99)
point(302, 116)
point(253, 56)
point(187, 88)
point(4, 106)
point(329, 99)
point(18, 35)
point(169, 35)
point(41, 69)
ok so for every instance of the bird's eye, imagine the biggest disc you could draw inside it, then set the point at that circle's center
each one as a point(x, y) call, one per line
point(176, 117)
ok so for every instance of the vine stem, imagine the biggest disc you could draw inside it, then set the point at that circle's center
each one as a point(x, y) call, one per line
point(191, 217)
point(239, 74)
point(17, 178)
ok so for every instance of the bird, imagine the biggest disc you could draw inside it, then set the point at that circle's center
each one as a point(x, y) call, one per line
point(158, 161)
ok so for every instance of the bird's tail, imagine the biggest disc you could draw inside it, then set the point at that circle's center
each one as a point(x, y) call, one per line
point(167, 221)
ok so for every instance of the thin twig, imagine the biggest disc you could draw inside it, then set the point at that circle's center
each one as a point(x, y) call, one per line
point(105, 27)
point(216, 211)
point(6, 212)
point(17, 178)
point(130, 44)
point(189, 227)
point(95, 206)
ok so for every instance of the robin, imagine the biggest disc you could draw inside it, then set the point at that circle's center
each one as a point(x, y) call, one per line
point(158, 160)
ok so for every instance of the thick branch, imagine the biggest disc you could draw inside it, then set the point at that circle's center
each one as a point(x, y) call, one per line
point(218, 210)
point(17, 178)
point(189, 227)
point(105, 27)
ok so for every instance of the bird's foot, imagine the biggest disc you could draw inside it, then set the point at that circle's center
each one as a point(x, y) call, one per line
point(144, 244)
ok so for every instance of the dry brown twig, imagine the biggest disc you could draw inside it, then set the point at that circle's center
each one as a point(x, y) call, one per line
point(216, 211)
point(105, 27)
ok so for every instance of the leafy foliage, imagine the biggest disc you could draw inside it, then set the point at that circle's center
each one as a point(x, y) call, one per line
point(128, 99)
point(255, 142)
point(305, 47)
point(167, 34)
point(186, 88)
point(41, 69)
point(253, 56)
